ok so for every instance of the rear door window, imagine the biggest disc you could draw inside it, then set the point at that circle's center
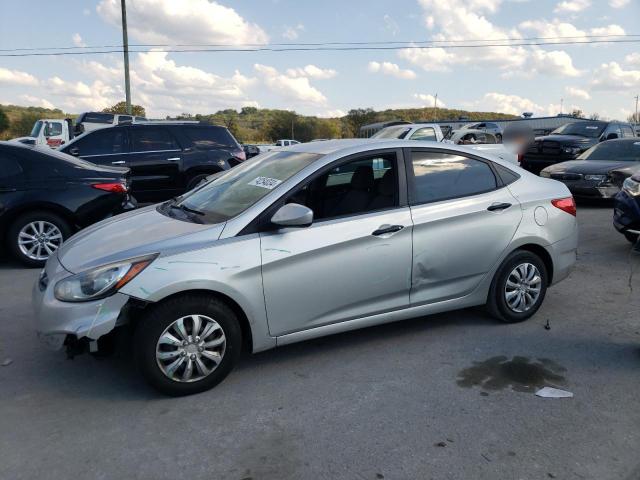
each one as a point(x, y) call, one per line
point(427, 133)
point(107, 141)
point(152, 140)
point(124, 118)
point(210, 137)
point(440, 176)
point(627, 131)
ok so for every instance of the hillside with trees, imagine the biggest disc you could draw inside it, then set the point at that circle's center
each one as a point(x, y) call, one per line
point(254, 125)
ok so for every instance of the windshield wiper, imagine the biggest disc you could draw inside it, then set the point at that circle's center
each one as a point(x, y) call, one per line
point(186, 209)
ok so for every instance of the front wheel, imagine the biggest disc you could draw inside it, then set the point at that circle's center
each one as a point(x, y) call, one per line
point(187, 344)
point(518, 287)
point(631, 237)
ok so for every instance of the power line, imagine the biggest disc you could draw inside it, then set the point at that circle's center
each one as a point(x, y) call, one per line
point(318, 48)
point(243, 46)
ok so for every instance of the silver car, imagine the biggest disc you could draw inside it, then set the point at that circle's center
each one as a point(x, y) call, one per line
point(297, 243)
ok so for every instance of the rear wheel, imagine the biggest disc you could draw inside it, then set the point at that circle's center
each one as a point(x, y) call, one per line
point(518, 287)
point(187, 344)
point(195, 181)
point(35, 236)
point(632, 237)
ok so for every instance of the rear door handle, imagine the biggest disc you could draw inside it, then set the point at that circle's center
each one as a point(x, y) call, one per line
point(119, 162)
point(498, 206)
point(387, 229)
point(173, 159)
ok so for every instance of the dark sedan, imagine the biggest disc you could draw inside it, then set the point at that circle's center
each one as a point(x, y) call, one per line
point(46, 195)
point(626, 211)
point(600, 171)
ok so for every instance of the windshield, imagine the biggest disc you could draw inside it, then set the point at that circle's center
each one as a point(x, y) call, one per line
point(392, 132)
point(36, 129)
point(617, 151)
point(237, 189)
point(582, 129)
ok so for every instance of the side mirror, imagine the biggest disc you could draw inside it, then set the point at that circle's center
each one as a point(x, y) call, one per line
point(612, 136)
point(293, 215)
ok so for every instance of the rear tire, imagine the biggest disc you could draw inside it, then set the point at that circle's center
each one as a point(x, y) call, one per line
point(34, 236)
point(195, 181)
point(518, 288)
point(631, 237)
point(206, 351)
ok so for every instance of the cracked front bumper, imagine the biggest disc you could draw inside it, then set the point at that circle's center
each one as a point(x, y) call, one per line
point(55, 320)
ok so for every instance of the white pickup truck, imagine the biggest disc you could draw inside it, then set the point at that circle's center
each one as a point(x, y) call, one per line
point(431, 132)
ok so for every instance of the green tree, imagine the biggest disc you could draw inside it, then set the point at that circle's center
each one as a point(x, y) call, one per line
point(4, 121)
point(24, 125)
point(633, 118)
point(121, 107)
point(594, 116)
point(281, 124)
point(248, 111)
point(358, 117)
point(577, 113)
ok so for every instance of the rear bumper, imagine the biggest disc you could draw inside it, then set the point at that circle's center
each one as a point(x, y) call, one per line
point(564, 255)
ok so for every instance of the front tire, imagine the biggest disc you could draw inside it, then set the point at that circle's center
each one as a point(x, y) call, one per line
point(518, 288)
point(195, 181)
point(34, 236)
point(187, 344)
point(631, 237)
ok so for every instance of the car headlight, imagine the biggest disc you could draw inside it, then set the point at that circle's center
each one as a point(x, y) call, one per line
point(631, 186)
point(571, 150)
point(596, 178)
point(100, 282)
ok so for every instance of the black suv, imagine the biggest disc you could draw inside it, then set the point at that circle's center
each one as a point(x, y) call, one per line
point(166, 158)
point(570, 140)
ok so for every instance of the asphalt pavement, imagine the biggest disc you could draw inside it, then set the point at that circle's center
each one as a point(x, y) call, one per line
point(449, 396)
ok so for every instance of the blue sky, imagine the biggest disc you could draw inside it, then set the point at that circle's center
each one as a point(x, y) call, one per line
point(594, 78)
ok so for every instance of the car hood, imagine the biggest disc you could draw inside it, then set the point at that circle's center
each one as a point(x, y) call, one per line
point(569, 140)
point(588, 166)
point(132, 234)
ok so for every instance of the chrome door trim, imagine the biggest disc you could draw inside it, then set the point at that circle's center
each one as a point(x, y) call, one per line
point(128, 153)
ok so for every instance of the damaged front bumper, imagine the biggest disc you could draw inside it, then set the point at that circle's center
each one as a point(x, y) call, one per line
point(58, 321)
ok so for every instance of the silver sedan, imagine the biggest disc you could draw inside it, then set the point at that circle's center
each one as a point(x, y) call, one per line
point(307, 241)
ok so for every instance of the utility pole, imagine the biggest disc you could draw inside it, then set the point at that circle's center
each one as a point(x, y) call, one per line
point(561, 101)
point(637, 120)
point(292, 120)
point(435, 107)
point(125, 49)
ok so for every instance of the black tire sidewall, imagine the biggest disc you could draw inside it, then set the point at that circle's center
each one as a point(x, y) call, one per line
point(24, 219)
point(195, 180)
point(497, 302)
point(631, 237)
point(160, 317)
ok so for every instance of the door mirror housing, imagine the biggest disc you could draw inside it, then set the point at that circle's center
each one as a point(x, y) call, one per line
point(293, 215)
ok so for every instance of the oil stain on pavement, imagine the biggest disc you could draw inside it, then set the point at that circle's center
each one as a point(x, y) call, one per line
point(519, 373)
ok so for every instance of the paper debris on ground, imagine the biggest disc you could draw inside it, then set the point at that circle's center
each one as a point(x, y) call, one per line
point(550, 392)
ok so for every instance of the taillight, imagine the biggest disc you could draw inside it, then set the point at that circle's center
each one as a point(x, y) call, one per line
point(565, 204)
point(113, 187)
point(240, 155)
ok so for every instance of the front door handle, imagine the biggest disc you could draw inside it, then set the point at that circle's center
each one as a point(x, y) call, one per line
point(119, 162)
point(498, 206)
point(173, 159)
point(387, 229)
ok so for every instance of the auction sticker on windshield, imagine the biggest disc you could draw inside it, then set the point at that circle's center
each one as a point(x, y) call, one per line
point(265, 182)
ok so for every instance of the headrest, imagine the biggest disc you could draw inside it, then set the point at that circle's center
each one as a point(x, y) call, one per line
point(387, 186)
point(362, 178)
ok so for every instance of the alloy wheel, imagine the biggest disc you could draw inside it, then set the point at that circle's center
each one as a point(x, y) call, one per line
point(523, 287)
point(191, 348)
point(38, 240)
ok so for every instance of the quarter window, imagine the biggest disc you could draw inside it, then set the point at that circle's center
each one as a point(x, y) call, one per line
point(151, 139)
point(96, 117)
point(439, 176)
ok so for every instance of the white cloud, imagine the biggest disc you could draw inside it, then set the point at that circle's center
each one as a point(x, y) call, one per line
point(86, 12)
point(30, 100)
point(633, 59)
point(618, 3)
point(297, 89)
point(557, 28)
point(469, 21)
point(392, 69)
point(312, 71)
point(16, 77)
point(611, 76)
point(331, 113)
point(78, 96)
point(77, 40)
point(572, 6)
point(428, 100)
point(516, 105)
point(577, 93)
point(608, 30)
point(292, 33)
point(186, 21)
